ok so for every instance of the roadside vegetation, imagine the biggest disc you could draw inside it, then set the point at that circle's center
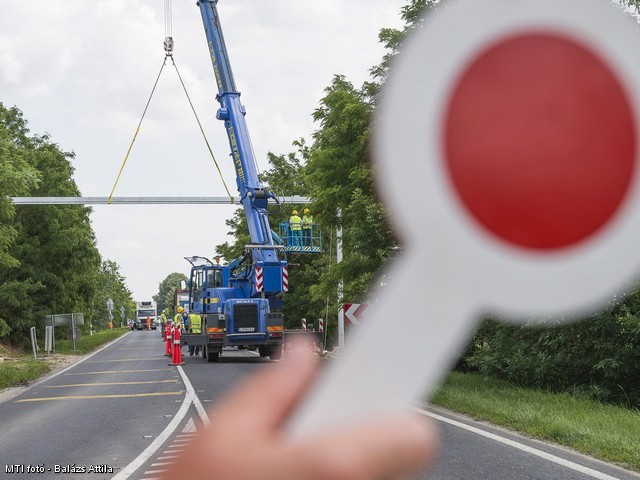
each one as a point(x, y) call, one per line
point(607, 432)
point(598, 357)
point(20, 368)
point(89, 343)
point(21, 371)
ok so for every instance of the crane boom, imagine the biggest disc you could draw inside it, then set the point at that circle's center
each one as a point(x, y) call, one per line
point(254, 196)
point(240, 303)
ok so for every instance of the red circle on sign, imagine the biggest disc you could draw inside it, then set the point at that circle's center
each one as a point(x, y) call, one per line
point(539, 141)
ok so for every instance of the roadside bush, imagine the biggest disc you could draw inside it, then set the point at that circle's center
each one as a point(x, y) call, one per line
point(598, 357)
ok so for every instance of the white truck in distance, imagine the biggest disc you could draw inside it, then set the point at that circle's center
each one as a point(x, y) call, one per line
point(144, 310)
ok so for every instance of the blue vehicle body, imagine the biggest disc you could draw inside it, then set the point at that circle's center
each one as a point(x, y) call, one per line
point(238, 301)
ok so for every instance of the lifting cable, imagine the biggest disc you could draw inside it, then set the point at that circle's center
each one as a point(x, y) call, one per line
point(168, 47)
point(136, 133)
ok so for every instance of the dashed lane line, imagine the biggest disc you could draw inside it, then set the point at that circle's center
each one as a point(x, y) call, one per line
point(97, 384)
point(14, 392)
point(94, 397)
point(189, 398)
point(120, 371)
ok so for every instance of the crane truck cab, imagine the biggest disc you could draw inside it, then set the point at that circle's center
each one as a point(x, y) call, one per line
point(234, 309)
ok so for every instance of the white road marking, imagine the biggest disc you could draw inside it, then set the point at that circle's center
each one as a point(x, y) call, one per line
point(521, 446)
point(148, 452)
point(189, 428)
point(15, 391)
point(189, 398)
point(196, 401)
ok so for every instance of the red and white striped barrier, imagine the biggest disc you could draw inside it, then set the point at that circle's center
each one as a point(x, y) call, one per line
point(259, 279)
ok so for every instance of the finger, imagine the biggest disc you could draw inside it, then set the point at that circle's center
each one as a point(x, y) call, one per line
point(264, 400)
point(385, 448)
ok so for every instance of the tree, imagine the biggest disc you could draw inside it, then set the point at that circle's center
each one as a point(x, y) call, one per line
point(392, 39)
point(336, 173)
point(166, 290)
point(49, 262)
point(17, 178)
point(110, 283)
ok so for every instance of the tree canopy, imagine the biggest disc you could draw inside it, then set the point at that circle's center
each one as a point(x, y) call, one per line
point(597, 357)
point(49, 261)
point(166, 291)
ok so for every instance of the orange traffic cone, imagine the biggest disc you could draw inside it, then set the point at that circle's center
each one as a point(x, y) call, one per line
point(176, 359)
point(167, 342)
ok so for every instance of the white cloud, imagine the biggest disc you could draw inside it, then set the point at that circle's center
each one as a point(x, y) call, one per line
point(83, 71)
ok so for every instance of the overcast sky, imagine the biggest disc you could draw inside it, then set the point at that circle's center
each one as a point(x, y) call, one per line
point(82, 72)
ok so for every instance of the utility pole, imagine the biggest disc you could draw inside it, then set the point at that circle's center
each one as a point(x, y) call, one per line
point(340, 283)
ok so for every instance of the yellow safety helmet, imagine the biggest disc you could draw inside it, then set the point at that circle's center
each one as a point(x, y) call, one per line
point(306, 210)
point(180, 309)
point(295, 212)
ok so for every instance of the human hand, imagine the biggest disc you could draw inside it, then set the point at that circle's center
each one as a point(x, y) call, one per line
point(247, 439)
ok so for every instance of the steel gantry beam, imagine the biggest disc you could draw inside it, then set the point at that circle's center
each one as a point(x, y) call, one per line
point(143, 200)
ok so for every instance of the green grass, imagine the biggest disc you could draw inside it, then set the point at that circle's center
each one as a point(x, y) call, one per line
point(88, 343)
point(21, 371)
point(603, 431)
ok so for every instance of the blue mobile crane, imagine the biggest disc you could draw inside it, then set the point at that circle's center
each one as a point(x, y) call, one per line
point(239, 302)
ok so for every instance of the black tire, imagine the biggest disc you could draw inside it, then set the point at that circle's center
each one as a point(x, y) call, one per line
point(276, 353)
point(212, 356)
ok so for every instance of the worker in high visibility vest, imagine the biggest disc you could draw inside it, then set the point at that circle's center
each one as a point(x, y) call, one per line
point(163, 324)
point(295, 224)
point(307, 225)
point(177, 319)
point(196, 327)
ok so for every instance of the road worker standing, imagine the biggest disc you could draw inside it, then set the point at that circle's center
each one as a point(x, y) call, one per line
point(196, 327)
point(307, 227)
point(177, 319)
point(295, 224)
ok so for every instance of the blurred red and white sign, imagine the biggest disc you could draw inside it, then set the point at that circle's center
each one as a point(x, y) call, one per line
point(354, 313)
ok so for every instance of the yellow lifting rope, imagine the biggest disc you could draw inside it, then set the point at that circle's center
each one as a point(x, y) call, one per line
point(168, 46)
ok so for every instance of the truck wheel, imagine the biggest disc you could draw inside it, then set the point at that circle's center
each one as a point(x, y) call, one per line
point(276, 353)
point(212, 356)
point(263, 350)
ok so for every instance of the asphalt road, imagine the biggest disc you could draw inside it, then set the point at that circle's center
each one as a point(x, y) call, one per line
point(128, 414)
point(97, 415)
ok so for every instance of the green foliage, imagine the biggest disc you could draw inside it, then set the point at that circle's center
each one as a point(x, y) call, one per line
point(88, 343)
point(392, 38)
point(21, 371)
point(17, 178)
point(590, 427)
point(239, 230)
point(337, 163)
point(110, 283)
point(597, 357)
point(335, 172)
point(49, 262)
point(165, 297)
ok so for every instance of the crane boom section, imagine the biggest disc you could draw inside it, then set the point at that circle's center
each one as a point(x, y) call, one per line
point(254, 196)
